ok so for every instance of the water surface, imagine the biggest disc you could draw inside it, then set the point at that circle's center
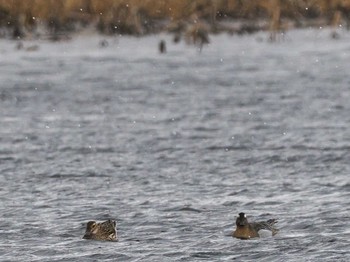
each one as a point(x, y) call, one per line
point(174, 146)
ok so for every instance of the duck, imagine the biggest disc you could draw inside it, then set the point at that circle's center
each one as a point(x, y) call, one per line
point(104, 231)
point(246, 230)
point(197, 34)
point(162, 47)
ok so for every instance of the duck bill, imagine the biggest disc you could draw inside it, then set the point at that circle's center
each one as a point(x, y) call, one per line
point(87, 235)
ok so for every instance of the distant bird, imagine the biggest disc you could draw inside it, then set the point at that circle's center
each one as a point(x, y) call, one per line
point(103, 43)
point(177, 38)
point(32, 48)
point(177, 28)
point(105, 231)
point(197, 34)
point(17, 33)
point(246, 230)
point(20, 46)
point(162, 47)
point(336, 21)
point(335, 35)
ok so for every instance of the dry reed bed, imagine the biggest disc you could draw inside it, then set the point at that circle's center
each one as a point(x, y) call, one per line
point(145, 16)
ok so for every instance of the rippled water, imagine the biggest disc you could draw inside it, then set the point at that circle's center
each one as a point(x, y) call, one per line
point(174, 146)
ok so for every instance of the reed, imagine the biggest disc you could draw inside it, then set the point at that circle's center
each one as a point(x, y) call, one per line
point(144, 16)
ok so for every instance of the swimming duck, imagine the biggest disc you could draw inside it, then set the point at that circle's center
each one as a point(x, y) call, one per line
point(105, 231)
point(246, 230)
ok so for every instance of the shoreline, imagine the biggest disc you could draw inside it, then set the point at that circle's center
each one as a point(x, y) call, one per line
point(192, 21)
point(195, 33)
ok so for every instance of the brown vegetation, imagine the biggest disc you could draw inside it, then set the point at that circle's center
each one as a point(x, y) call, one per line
point(140, 17)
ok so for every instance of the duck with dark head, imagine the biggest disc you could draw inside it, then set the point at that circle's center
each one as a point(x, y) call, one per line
point(246, 230)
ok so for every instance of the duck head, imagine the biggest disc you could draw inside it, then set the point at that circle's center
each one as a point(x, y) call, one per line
point(241, 220)
point(91, 228)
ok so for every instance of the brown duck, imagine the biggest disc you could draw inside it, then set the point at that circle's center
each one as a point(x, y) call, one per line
point(246, 230)
point(105, 231)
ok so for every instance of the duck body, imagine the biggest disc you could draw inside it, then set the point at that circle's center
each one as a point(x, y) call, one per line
point(105, 231)
point(246, 230)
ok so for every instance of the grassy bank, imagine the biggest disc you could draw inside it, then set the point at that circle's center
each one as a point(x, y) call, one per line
point(20, 18)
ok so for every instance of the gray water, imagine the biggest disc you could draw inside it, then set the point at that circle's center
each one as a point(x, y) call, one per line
point(174, 146)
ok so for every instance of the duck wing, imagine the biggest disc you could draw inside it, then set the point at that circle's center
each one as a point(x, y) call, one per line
point(108, 230)
point(268, 225)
